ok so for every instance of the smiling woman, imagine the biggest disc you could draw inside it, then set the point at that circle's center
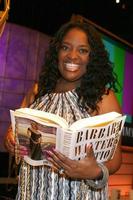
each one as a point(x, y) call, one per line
point(4, 9)
point(76, 81)
point(73, 57)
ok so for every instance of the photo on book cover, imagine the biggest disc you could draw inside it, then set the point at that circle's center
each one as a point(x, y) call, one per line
point(35, 137)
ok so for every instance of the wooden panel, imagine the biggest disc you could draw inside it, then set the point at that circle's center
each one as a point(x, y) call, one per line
point(120, 180)
point(124, 190)
point(127, 158)
point(123, 178)
point(125, 169)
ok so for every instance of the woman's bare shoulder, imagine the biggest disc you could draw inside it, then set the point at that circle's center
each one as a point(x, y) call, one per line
point(30, 96)
point(109, 103)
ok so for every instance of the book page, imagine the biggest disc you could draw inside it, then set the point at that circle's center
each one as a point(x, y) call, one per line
point(42, 116)
point(98, 120)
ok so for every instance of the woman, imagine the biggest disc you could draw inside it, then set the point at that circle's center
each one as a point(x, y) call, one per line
point(76, 81)
point(35, 142)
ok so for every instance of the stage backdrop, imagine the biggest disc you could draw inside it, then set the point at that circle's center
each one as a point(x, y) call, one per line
point(122, 57)
point(21, 56)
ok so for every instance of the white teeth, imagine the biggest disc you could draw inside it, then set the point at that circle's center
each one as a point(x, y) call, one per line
point(71, 65)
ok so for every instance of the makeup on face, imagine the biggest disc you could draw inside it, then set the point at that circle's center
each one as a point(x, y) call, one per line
point(74, 55)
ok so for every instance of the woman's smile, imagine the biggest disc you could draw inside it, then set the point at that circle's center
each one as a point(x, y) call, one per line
point(71, 67)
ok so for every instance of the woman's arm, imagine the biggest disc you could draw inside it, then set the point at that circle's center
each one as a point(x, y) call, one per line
point(108, 104)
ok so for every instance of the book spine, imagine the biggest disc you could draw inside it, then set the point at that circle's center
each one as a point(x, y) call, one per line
point(63, 142)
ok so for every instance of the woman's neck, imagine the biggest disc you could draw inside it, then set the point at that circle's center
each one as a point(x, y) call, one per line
point(64, 86)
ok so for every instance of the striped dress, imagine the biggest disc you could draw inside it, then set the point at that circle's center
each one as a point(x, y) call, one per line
point(41, 182)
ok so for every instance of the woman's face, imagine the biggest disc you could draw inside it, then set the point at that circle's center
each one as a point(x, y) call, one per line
point(73, 55)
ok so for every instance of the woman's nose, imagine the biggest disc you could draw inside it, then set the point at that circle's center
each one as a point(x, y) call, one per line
point(73, 54)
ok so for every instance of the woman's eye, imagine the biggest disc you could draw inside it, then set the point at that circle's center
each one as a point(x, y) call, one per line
point(84, 51)
point(64, 47)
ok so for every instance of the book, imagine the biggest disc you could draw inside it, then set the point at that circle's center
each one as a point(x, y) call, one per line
point(39, 132)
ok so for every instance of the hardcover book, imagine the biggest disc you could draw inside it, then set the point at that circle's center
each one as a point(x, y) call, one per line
point(39, 132)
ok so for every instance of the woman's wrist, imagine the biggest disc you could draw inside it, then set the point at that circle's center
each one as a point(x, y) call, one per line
point(98, 173)
point(101, 178)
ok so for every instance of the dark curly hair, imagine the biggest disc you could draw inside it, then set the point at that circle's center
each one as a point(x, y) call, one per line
point(97, 81)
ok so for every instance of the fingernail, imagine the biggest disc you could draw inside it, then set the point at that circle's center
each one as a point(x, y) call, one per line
point(49, 158)
point(53, 149)
point(24, 153)
point(90, 145)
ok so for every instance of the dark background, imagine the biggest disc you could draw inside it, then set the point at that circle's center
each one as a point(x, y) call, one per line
point(47, 16)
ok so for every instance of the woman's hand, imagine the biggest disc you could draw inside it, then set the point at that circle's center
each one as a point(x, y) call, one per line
point(9, 143)
point(86, 168)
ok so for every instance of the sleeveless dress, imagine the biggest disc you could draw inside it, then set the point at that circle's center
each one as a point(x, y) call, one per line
point(41, 182)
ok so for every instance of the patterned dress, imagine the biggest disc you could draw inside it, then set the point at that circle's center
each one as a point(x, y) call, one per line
point(41, 182)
